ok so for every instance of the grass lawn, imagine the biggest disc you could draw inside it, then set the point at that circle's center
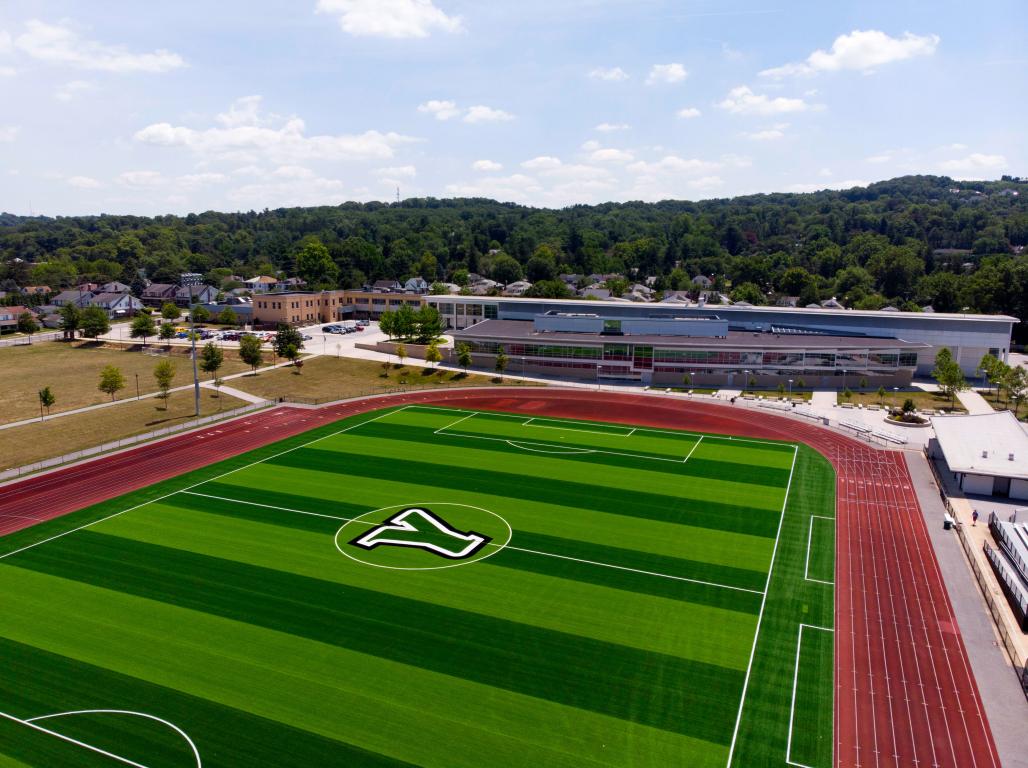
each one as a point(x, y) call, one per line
point(327, 378)
point(922, 400)
point(588, 595)
point(72, 371)
point(774, 394)
point(1000, 402)
point(43, 440)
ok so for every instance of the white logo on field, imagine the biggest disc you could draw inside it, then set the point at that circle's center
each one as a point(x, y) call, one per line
point(426, 529)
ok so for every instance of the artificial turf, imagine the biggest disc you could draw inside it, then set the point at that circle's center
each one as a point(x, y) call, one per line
point(646, 610)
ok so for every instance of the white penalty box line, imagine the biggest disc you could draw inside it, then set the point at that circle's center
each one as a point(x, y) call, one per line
point(541, 553)
point(810, 534)
point(795, 685)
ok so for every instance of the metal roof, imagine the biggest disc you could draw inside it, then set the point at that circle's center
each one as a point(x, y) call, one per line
point(981, 444)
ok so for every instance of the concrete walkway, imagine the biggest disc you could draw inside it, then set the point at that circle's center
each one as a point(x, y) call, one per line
point(823, 398)
point(1004, 701)
point(233, 392)
point(974, 402)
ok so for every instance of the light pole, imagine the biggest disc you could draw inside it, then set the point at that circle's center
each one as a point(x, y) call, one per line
point(844, 378)
point(196, 375)
point(746, 382)
point(137, 386)
point(790, 389)
point(896, 396)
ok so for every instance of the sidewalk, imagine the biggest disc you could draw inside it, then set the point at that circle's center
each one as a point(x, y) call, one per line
point(974, 402)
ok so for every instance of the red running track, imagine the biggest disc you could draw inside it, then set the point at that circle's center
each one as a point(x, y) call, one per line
point(905, 693)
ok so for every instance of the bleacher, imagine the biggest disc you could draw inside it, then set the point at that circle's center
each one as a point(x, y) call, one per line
point(889, 437)
point(856, 426)
point(1010, 563)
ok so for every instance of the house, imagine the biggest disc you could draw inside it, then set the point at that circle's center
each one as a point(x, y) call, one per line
point(570, 280)
point(517, 288)
point(77, 298)
point(594, 291)
point(260, 284)
point(832, 303)
point(115, 287)
point(702, 281)
point(36, 290)
point(88, 287)
point(188, 295)
point(787, 301)
point(387, 285)
point(117, 304)
point(158, 294)
point(676, 297)
point(484, 287)
point(289, 284)
point(416, 284)
point(9, 318)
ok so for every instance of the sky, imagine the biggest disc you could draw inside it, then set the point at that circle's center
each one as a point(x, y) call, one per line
point(152, 108)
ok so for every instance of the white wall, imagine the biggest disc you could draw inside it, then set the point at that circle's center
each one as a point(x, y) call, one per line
point(1019, 489)
point(980, 484)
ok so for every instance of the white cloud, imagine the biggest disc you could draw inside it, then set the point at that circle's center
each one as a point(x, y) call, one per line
point(141, 178)
point(440, 109)
point(543, 162)
point(818, 186)
point(201, 179)
point(705, 183)
point(290, 172)
point(673, 164)
point(486, 166)
point(591, 145)
point(884, 157)
point(666, 73)
point(399, 172)
point(246, 135)
point(6, 43)
point(611, 127)
point(72, 89)
point(60, 44)
point(277, 193)
point(8, 133)
point(395, 19)
point(688, 113)
point(517, 187)
point(84, 182)
point(736, 161)
point(773, 133)
point(976, 162)
point(482, 114)
point(609, 74)
point(860, 50)
point(743, 101)
point(611, 155)
point(8, 71)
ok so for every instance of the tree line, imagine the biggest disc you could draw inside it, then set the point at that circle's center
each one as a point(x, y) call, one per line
point(908, 242)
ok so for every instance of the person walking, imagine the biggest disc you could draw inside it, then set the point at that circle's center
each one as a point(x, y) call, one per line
point(974, 517)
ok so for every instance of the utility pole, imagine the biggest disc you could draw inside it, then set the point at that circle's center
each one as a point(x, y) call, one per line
point(137, 386)
point(196, 376)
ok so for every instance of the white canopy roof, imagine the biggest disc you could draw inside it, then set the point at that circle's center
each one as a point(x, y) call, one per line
point(982, 444)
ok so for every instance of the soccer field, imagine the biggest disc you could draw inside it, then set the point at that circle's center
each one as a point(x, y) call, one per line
point(435, 587)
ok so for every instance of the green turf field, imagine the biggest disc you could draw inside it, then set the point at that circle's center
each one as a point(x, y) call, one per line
point(435, 587)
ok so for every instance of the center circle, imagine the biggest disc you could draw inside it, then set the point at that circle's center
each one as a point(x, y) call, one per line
point(423, 536)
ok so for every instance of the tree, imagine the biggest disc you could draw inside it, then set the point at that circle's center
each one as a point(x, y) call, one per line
point(748, 292)
point(847, 394)
point(908, 406)
point(993, 369)
point(687, 380)
point(314, 265)
point(250, 352)
point(428, 324)
point(948, 374)
point(94, 322)
point(549, 289)
point(432, 354)
point(228, 317)
point(506, 269)
point(1015, 382)
point(401, 353)
point(464, 358)
point(405, 323)
point(881, 395)
point(387, 324)
point(166, 332)
point(27, 323)
point(438, 289)
point(200, 313)
point(46, 400)
point(617, 286)
point(292, 354)
point(164, 372)
point(501, 362)
point(111, 380)
point(70, 318)
point(142, 326)
point(285, 337)
point(211, 359)
point(170, 311)
point(781, 389)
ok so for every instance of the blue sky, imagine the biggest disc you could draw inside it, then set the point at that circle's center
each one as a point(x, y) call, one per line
point(129, 107)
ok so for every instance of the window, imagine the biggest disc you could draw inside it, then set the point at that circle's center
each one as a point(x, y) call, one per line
point(616, 352)
point(612, 326)
point(491, 311)
point(908, 359)
point(642, 357)
point(474, 310)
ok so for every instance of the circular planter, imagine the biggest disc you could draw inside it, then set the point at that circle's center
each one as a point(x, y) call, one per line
point(895, 423)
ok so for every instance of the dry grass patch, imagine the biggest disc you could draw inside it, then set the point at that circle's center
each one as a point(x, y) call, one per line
point(324, 379)
point(934, 401)
point(54, 437)
point(72, 371)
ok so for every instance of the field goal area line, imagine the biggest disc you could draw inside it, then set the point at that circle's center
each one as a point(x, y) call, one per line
point(806, 564)
point(792, 706)
point(597, 563)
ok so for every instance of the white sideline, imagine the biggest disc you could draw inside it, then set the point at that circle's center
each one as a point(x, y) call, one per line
point(792, 706)
point(806, 564)
point(195, 485)
point(508, 546)
point(760, 616)
point(70, 740)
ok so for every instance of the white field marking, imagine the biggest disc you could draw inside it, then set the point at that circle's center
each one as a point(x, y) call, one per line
point(560, 449)
point(458, 421)
point(689, 455)
point(556, 445)
point(632, 432)
point(792, 706)
point(161, 720)
point(202, 482)
point(760, 616)
point(76, 742)
point(806, 565)
point(574, 429)
point(499, 546)
point(673, 432)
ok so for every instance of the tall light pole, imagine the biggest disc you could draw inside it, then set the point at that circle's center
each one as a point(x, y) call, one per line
point(790, 389)
point(137, 386)
point(196, 375)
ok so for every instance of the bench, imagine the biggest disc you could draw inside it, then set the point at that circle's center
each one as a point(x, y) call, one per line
point(889, 437)
point(862, 429)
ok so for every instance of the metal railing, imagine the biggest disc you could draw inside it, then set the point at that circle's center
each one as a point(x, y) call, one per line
point(508, 381)
point(126, 442)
